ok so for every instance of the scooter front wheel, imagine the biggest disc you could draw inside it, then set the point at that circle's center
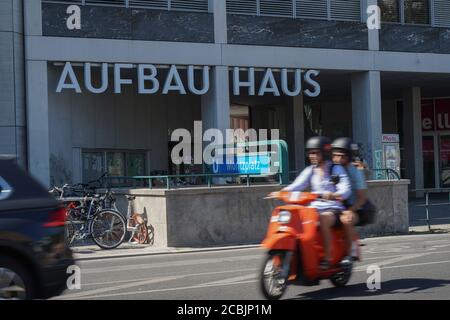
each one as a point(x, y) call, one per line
point(274, 274)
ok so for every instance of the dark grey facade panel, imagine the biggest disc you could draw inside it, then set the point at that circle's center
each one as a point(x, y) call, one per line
point(289, 32)
point(130, 24)
point(414, 39)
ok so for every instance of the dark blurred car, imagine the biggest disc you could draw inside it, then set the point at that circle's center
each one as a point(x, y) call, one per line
point(33, 254)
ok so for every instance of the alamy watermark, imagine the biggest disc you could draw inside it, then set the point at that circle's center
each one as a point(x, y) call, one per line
point(215, 147)
point(373, 17)
point(74, 280)
point(73, 21)
point(374, 280)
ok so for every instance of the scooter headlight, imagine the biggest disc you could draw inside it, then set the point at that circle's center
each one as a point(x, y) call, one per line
point(284, 217)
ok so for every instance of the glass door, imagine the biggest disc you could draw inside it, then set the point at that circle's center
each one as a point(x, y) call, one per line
point(444, 160)
point(428, 161)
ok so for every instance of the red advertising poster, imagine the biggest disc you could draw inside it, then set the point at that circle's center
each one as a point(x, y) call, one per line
point(427, 115)
point(442, 114)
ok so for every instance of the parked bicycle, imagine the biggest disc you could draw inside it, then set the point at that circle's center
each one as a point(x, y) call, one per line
point(92, 216)
point(137, 224)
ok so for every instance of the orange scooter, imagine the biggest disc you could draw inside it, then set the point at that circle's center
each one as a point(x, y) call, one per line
point(295, 248)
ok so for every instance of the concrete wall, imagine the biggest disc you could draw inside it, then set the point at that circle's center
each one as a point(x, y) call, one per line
point(112, 121)
point(239, 215)
point(288, 32)
point(410, 38)
point(391, 200)
point(129, 24)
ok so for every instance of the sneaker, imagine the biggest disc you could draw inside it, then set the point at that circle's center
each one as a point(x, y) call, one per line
point(354, 249)
point(346, 262)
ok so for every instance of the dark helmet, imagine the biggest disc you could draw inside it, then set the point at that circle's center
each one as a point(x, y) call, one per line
point(319, 143)
point(346, 145)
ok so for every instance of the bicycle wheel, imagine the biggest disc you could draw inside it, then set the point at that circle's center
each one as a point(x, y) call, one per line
point(69, 233)
point(108, 229)
point(70, 228)
point(141, 234)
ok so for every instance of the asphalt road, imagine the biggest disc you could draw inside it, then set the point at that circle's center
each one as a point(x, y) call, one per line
point(412, 267)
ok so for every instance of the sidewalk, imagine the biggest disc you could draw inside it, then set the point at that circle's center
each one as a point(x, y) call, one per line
point(435, 228)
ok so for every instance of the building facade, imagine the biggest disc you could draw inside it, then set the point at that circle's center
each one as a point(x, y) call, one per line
point(102, 85)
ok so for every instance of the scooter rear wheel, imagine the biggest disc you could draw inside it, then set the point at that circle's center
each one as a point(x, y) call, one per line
point(273, 283)
point(340, 279)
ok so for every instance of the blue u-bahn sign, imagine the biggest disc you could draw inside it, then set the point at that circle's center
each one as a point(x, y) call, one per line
point(243, 164)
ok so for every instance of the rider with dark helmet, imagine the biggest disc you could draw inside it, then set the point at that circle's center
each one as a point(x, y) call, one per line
point(343, 151)
point(328, 180)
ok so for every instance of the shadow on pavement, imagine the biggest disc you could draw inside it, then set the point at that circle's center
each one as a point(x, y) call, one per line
point(359, 290)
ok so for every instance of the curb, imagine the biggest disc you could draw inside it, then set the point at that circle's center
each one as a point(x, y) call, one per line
point(164, 252)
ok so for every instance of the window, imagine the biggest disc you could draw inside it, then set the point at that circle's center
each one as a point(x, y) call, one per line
point(416, 11)
point(389, 10)
point(92, 166)
point(405, 11)
point(135, 164)
point(117, 163)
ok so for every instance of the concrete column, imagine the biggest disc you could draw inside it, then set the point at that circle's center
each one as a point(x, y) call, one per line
point(32, 12)
point(12, 75)
point(38, 130)
point(413, 156)
point(219, 8)
point(373, 34)
point(366, 109)
point(216, 103)
point(36, 98)
point(296, 134)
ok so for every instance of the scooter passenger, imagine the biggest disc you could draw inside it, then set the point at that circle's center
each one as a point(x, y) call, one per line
point(342, 151)
point(328, 180)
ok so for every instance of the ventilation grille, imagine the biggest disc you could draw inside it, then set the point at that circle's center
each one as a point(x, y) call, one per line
point(441, 12)
point(182, 5)
point(346, 10)
point(312, 9)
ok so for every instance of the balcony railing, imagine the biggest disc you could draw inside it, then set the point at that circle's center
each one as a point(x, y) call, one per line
point(180, 5)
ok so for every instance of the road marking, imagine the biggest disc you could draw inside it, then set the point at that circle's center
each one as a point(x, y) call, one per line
point(181, 263)
point(168, 289)
point(441, 246)
point(416, 264)
point(124, 286)
point(404, 238)
point(394, 260)
point(233, 280)
point(187, 275)
point(168, 254)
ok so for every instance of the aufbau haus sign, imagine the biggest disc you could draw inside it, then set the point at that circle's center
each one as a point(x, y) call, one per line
point(150, 81)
